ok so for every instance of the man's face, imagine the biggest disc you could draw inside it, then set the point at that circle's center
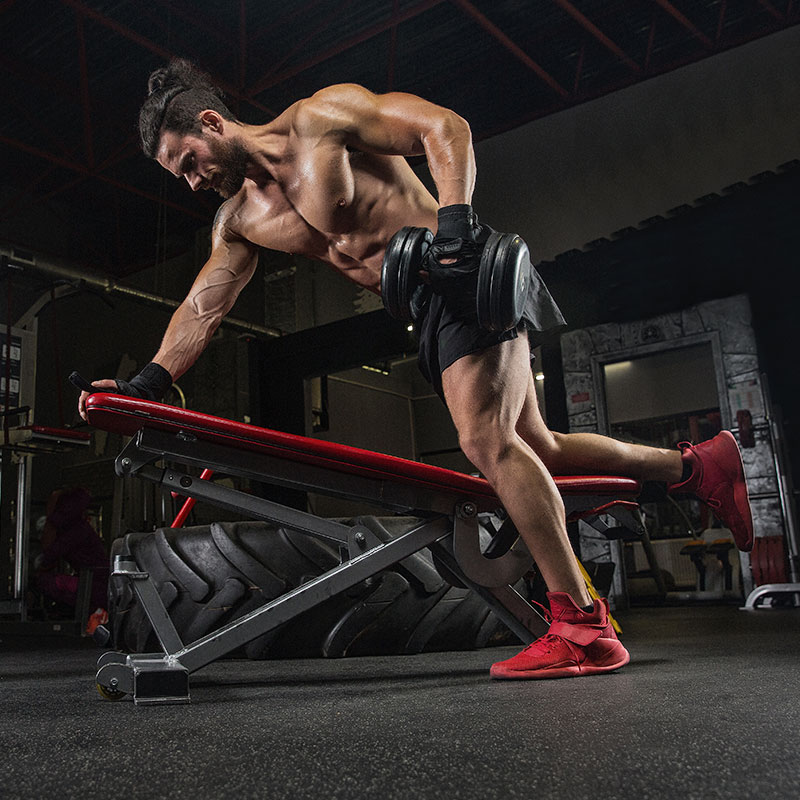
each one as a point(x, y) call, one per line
point(206, 161)
point(231, 160)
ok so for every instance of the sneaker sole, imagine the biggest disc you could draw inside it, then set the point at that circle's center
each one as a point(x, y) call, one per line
point(741, 498)
point(575, 671)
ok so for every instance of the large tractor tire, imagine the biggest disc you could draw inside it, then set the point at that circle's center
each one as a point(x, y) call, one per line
point(210, 575)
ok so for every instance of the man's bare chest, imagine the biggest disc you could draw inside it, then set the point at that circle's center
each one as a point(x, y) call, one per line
point(267, 217)
point(276, 218)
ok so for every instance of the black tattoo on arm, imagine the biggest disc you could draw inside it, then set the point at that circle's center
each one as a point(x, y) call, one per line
point(218, 215)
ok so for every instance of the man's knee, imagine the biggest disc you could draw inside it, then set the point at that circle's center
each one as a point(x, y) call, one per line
point(547, 444)
point(486, 446)
point(550, 448)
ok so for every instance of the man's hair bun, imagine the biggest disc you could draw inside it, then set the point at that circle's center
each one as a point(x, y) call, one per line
point(156, 81)
point(181, 74)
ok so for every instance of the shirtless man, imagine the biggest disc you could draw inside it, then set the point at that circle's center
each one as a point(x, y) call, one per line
point(328, 179)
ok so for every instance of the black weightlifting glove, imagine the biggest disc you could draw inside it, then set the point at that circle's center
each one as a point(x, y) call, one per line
point(453, 254)
point(151, 383)
point(456, 222)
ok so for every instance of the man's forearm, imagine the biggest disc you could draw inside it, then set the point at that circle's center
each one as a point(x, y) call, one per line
point(186, 337)
point(451, 159)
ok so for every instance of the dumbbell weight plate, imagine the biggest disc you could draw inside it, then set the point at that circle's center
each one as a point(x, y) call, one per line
point(503, 280)
point(400, 270)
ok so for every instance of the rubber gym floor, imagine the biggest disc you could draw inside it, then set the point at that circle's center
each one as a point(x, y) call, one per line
point(707, 708)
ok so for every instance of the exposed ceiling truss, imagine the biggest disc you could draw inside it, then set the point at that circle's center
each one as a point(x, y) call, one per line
point(74, 75)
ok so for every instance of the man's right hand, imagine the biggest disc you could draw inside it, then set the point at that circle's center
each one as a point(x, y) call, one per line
point(107, 384)
point(453, 254)
point(151, 383)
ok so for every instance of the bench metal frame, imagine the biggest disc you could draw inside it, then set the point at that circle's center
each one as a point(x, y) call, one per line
point(447, 522)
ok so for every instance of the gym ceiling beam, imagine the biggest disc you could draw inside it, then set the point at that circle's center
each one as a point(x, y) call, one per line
point(601, 37)
point(686, 23)
point(511, 46)
point(369, 33)
point(160, 51)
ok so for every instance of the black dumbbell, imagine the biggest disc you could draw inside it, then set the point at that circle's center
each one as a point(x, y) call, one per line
point(400, 276)
point(502, 280)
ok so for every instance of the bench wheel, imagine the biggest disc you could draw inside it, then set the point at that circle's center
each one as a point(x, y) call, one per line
point(109, 694)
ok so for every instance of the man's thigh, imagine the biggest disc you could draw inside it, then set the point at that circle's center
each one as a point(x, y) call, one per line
point(489, 386)
point(445, 337)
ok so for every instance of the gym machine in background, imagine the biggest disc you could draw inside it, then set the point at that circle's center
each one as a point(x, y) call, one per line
point(20, 441)
point(17, 382)
point(769, 557)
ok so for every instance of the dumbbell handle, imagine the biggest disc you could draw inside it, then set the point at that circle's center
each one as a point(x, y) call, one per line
point(77, 380)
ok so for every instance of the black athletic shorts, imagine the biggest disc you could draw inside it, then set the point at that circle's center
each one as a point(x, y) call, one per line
point(447, 334)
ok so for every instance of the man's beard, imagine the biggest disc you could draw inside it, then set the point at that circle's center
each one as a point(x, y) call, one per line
point(232, 160)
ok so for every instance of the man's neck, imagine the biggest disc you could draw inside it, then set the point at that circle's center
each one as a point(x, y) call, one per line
point(266, 148)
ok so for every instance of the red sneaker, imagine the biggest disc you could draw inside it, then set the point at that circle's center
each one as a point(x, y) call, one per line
point(718, 480)
point(578, 643)
point(100, 617)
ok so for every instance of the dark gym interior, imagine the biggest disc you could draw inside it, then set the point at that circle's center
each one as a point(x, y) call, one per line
point(649, 154)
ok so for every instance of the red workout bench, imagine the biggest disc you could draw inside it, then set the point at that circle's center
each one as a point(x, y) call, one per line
point(449, 510)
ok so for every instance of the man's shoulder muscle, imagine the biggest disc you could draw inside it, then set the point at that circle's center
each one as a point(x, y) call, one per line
point(228, 233)
point(227, 220)
point(218, 217)
point(329, 109)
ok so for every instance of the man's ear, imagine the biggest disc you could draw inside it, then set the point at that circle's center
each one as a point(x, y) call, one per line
point(212, 121)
